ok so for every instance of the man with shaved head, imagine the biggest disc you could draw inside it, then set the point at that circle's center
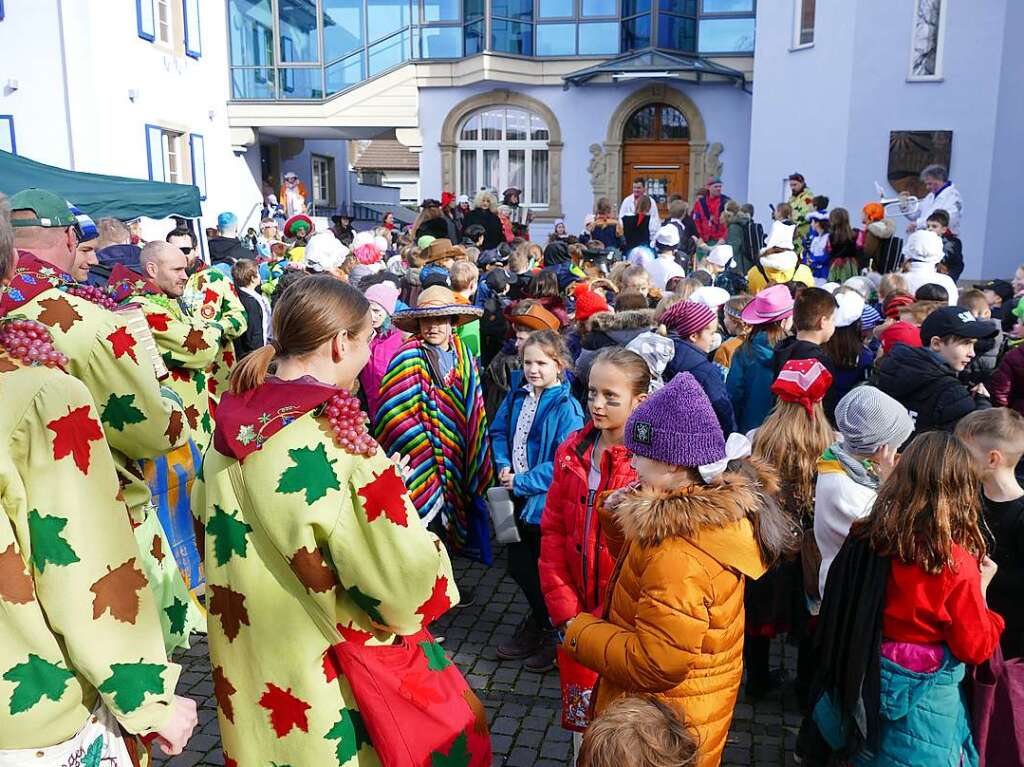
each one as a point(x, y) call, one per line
point(188, 343)
point(138, 421)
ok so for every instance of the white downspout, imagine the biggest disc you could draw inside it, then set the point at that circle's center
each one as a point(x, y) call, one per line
point(67, 94)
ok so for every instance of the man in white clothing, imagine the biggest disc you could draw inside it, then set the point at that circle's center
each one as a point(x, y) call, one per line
point(923, 251)
point(664, 267)
point(942, 195)
point(628, 206)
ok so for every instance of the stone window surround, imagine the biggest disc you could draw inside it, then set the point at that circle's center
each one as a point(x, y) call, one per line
point(502, 97)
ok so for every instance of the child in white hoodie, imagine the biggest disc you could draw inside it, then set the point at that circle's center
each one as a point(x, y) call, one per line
point(873, 427)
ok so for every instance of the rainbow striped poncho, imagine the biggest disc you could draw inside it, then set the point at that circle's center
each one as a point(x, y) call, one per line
point(442, 428)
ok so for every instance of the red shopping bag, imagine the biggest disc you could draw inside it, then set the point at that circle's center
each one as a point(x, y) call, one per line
point(415, 704)
point(577, 690)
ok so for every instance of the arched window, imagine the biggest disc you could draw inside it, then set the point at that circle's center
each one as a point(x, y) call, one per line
point(657, 122)
point(499, 147)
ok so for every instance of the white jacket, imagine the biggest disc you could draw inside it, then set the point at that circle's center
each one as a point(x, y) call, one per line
point(921, 273)
point(838, 503)
point(948, 199)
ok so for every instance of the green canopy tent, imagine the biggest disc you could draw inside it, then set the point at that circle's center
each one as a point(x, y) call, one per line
point(98, 195)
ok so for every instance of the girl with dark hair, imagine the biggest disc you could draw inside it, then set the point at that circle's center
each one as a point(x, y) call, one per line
point(636, 228)
point(851, 358)
point(305, 514)
point(844, 255)
point(903, 613)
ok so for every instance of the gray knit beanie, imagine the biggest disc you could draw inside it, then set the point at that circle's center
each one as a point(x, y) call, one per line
point(869, 418)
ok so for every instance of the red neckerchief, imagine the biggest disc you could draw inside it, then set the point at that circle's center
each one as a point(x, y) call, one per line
point(246, 421)
point(32, 276)
point(124, 283)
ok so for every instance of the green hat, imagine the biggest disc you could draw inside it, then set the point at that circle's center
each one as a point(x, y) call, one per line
point(51, 210)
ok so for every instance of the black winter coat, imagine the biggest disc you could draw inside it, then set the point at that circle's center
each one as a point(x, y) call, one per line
point(494, 235)
point(927, 387)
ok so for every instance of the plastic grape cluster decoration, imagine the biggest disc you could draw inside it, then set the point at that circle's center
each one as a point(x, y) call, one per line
point(30, 342)
point(348, 422)
point(92, 294)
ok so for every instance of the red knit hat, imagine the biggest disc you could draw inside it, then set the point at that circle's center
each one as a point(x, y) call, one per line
point(894, 302)
point(900, 333)
point(589, 303)
point(803, 382)
point(447, 198)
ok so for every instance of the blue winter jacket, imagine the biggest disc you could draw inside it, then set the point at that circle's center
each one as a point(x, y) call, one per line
point(751, 375)
point(558, 415)
point(690, 359)
point(924, 719)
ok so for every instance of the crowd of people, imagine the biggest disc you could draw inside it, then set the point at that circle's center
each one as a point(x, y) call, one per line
point(691, 437)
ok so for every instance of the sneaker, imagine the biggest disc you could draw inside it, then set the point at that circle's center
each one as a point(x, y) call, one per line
point(543, 660)
point(526, 642)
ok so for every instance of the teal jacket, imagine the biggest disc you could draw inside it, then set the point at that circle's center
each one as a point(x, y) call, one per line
point(924, 719)
point(751, 375)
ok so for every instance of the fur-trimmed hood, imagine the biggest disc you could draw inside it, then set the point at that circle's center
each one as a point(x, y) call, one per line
point(633, 319)
point(785, 261)
point(713, 517)
point(883, 229)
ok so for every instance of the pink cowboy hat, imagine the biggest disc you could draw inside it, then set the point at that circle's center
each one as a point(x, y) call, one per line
point(771, 304)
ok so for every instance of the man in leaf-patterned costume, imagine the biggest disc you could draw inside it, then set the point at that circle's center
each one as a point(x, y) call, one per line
point(210, 294)
point(189, 344)
point(139, 419)
point(81, 648)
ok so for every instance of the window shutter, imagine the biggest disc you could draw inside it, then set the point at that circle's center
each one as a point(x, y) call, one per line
point(197, 146)
point(145, 19)
point(193, 37)
point(155, 153)
point(7, 142)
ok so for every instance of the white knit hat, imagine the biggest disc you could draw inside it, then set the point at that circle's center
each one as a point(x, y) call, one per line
point(324, 252)
point(667, 237)
point(925, 246)
point(721, 255)
point(850, 307)
point(868, 418)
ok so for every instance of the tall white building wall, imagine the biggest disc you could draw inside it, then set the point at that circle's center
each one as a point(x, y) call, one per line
point(77, 64)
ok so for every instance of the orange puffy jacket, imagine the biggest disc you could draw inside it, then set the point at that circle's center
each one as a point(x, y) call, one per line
point(675, 613)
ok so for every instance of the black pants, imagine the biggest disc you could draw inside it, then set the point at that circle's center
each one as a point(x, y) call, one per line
point(523, 567)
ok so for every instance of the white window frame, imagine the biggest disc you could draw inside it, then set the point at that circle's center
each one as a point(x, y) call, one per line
point(503, 146)
point(170, 144)
point(328, 162)
point(940, 47)
point(798, 15)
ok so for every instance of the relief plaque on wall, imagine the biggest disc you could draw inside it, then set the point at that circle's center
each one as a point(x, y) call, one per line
point(911, 151)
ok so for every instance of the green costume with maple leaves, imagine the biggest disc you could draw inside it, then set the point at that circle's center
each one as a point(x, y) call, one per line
point(140, 419)
point(350, 534)
point(802, 205)
point(211, 295)
point(78, 622)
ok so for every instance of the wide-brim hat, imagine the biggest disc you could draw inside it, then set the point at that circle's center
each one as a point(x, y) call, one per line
point(435, 301)
point(296, 221)
point(536, 318)
point(771, 304)
point(440, 249)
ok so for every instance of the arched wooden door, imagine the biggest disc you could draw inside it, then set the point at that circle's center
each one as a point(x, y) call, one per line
point(656, 147)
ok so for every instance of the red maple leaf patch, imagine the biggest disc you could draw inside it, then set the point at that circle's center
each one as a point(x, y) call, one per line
point(286, 711)
point(73, 433)
point(385, 495)
point(229, 357)
point(210, 296)
point(437, 603)
point(420, 687)
point(331, 666)
point(158, 321)
point(124, 343)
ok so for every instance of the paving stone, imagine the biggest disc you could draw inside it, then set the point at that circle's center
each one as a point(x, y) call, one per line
point(501, 744)
point(530, 738)
point(505, 725)
point(522, 757)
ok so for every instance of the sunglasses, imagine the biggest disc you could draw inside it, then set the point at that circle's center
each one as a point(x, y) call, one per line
point(186, 250)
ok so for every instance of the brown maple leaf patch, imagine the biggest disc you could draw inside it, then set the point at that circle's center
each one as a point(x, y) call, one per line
point(313, 571)
point(58, 312)
point(117, 592)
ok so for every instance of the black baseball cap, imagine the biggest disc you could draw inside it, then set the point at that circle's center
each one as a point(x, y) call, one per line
point(1001, 288)
point(955, 321)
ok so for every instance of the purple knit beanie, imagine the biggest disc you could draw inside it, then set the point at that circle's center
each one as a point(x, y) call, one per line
point(687, 317)
point(676, 425)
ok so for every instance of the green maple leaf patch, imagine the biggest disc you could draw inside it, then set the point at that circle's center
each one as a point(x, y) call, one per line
point(128, 683)
point(311, 472)
point(367, 604)
point(350, 732)
point(34, 679)
point(176, 613)
point(436, 659)
point(229, 535)
point(120, 411)
point(48, 545)
point(457, 756)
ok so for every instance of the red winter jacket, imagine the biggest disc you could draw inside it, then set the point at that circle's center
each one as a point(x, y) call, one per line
point(1007, 384)
point(575, 564)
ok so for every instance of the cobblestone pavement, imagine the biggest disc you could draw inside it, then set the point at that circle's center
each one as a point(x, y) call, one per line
point(524, 708)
